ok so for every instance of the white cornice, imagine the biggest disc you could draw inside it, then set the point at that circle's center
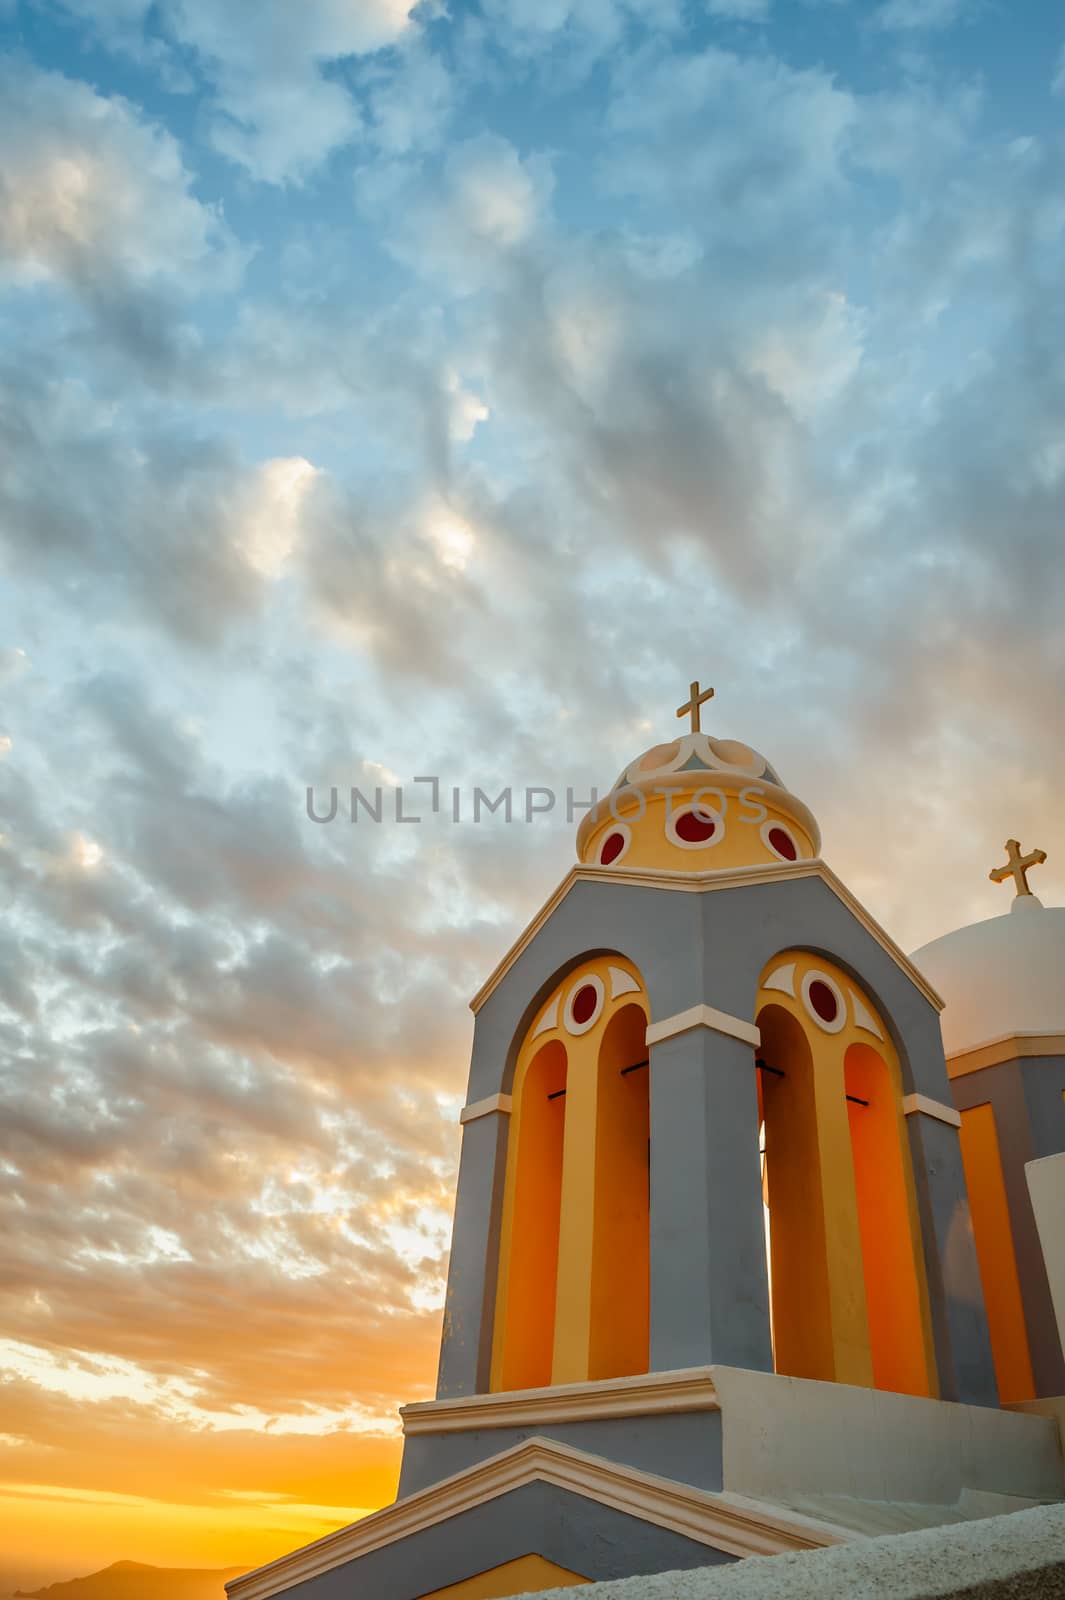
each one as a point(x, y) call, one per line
point(706, 883)
point(484, 1108)
point(704, 1017)
point(655, 1393)
point(914, 1103)
point(724, 1522)
point(1007, 1047)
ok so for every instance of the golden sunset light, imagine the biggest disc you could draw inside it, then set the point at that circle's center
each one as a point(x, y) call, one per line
point(420, 990)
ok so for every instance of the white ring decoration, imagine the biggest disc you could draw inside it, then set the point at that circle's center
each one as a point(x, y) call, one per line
point(840, 1022)
point(626, 833)
point(767, 828)
point(702, 809)
point(634, 773)
point(567, 1015)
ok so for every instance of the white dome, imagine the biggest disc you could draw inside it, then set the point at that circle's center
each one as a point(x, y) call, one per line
point(1000, 977)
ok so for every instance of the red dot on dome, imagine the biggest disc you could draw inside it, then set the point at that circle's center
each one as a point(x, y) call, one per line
point(584, 1003)
point(613, 845)
point(693, 828)
point(823, 1001)
point(783, 843)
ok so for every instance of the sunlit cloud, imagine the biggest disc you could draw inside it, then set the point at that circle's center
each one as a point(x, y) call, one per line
point(392, 392)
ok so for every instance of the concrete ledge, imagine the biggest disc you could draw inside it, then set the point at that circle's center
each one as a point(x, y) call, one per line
point(1020, 1556)
point(485, 1107)
point(783, 1437)
point(656, 1393)
point(914, 1103)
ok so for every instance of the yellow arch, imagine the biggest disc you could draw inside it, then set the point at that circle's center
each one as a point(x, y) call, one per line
point(572, 1296)
point(848, 1286)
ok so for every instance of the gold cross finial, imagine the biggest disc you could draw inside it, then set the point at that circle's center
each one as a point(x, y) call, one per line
point(694, 703)
point(1017, 866)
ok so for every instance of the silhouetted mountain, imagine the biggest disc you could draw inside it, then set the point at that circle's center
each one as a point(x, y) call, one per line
point(131, 1580)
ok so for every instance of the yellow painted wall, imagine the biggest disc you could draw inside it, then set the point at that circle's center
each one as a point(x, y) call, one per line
point(741, 844)
point(995, 1254)
point(573, 1303)
point(525, 1575)
point(621, 1257)
point(583, 1311)
point(525, 1319)
point(892, 1278)
point(848, 1287)
point(802, 1319)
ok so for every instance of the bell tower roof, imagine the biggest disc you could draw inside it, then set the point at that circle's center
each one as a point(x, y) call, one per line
point(698, 802)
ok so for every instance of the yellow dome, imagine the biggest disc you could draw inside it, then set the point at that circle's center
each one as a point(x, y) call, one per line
point(698, 804)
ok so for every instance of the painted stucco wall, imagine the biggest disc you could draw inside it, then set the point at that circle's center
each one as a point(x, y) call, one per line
point(1013, 1089)
point(685, 1446)
point(539, 1519)
point(1046, 1185)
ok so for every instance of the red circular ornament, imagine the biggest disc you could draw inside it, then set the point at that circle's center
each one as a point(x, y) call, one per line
point(823, 1001)
point(695, 829)
point(613, 845)
point(782, 842)
point(584, 1004)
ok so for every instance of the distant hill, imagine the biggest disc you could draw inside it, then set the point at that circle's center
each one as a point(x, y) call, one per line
point(130, 1580)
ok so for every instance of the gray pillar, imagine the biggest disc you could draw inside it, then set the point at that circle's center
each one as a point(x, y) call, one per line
point(959, 1321)
point(709, 1286)
point(469, 1309)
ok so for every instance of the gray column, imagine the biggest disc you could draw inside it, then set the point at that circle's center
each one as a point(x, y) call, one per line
point(469, 1309)
point(959, 1320)
point(709, 1286)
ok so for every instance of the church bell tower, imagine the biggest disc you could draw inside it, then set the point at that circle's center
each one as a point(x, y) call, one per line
point(709, 1119)
point(713, 1290)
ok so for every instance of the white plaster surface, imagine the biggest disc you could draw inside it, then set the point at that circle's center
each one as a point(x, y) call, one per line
point(906, 1566)
point(781, 1434)
point(999, 977)
point(1046, 1185)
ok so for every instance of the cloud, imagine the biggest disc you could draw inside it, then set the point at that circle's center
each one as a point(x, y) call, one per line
point(92, 195)
point(411, 104)
point(464, 221)
point(912, 15)
point(739, 10)
point(13, 663)
point(174, 527)
point(724, 360)
point(281, 104)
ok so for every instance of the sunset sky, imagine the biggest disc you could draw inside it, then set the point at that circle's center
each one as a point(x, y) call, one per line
point(435, 393)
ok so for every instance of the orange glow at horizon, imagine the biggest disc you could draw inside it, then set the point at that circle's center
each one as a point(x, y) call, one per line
point(50, 1532)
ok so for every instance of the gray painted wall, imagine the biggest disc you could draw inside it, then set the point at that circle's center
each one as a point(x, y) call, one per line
point(709, 1285)
point(538, 1519)
point(1043, 1079)
point(685, 1446)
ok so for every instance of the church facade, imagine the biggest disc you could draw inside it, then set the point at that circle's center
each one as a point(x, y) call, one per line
point(714, 1287)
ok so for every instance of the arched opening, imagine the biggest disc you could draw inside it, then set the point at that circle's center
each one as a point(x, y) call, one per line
point(799, 1293)
point(527, 1290)
point(620, 1308)
point(887, 1222)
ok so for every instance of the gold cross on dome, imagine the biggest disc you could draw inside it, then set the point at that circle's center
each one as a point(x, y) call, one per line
point(1017, 866)
point(692, 707)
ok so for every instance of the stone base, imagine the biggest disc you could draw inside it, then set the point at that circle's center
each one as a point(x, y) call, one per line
point(662, 1472)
